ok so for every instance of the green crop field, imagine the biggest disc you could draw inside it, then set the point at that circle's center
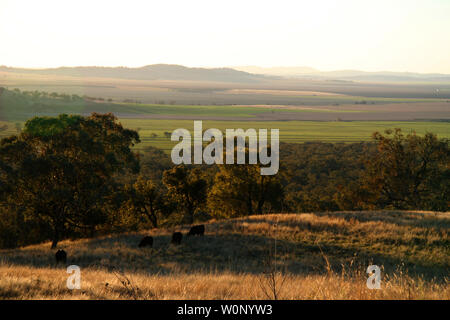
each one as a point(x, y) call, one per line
point(152, 131)
point(155, 132)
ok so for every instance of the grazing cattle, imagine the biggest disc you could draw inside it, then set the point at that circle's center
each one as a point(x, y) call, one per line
point(61, 257)
point(197, 230)
point(176, 238)
point(146, 242)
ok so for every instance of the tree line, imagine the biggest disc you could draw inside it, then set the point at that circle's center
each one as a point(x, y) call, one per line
point(43, 96)
point(73, 176)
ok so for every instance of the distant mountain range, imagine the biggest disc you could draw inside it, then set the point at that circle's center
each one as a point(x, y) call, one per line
point(277, 71)
point(150, 72)
point(353, 75)
point(242, 74)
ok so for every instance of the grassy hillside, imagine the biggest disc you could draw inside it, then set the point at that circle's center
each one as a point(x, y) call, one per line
point(312, 256)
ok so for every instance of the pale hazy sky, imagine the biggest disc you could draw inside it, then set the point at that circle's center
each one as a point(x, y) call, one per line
point(396, 35)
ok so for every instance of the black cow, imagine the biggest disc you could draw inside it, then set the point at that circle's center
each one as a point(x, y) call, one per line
point(176, 238)
point(146, 242)
point(197, 230)
point(61, 257)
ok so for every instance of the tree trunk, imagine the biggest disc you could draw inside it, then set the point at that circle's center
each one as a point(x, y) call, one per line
point(262, 196)
point(55, 239)
point(153, 217)
point(92, 231)
point(190, 213)
point(57, 230)
point(249, 205)
point(260, 206)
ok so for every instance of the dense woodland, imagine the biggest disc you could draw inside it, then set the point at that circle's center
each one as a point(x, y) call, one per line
point(73, 176)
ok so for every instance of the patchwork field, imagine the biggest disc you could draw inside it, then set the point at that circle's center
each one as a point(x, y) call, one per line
point(313, 115)
point(260, 90)
point(310, 255)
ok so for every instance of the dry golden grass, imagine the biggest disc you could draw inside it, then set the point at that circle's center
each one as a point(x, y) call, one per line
point(319, 256)
point(50, 283)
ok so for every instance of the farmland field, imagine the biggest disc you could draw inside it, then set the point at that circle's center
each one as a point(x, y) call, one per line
point(302, 110)
point(153, 132)
point(290, 131)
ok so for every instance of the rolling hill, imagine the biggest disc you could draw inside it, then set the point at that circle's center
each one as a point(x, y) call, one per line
point(150, 72)
point(347, 75)
point(311, 256)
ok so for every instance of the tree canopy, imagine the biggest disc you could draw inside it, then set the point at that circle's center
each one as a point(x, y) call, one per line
point(61, 169)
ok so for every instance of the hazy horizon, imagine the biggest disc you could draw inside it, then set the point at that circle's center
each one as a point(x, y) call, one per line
point(404, 36)
point(238, 68)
